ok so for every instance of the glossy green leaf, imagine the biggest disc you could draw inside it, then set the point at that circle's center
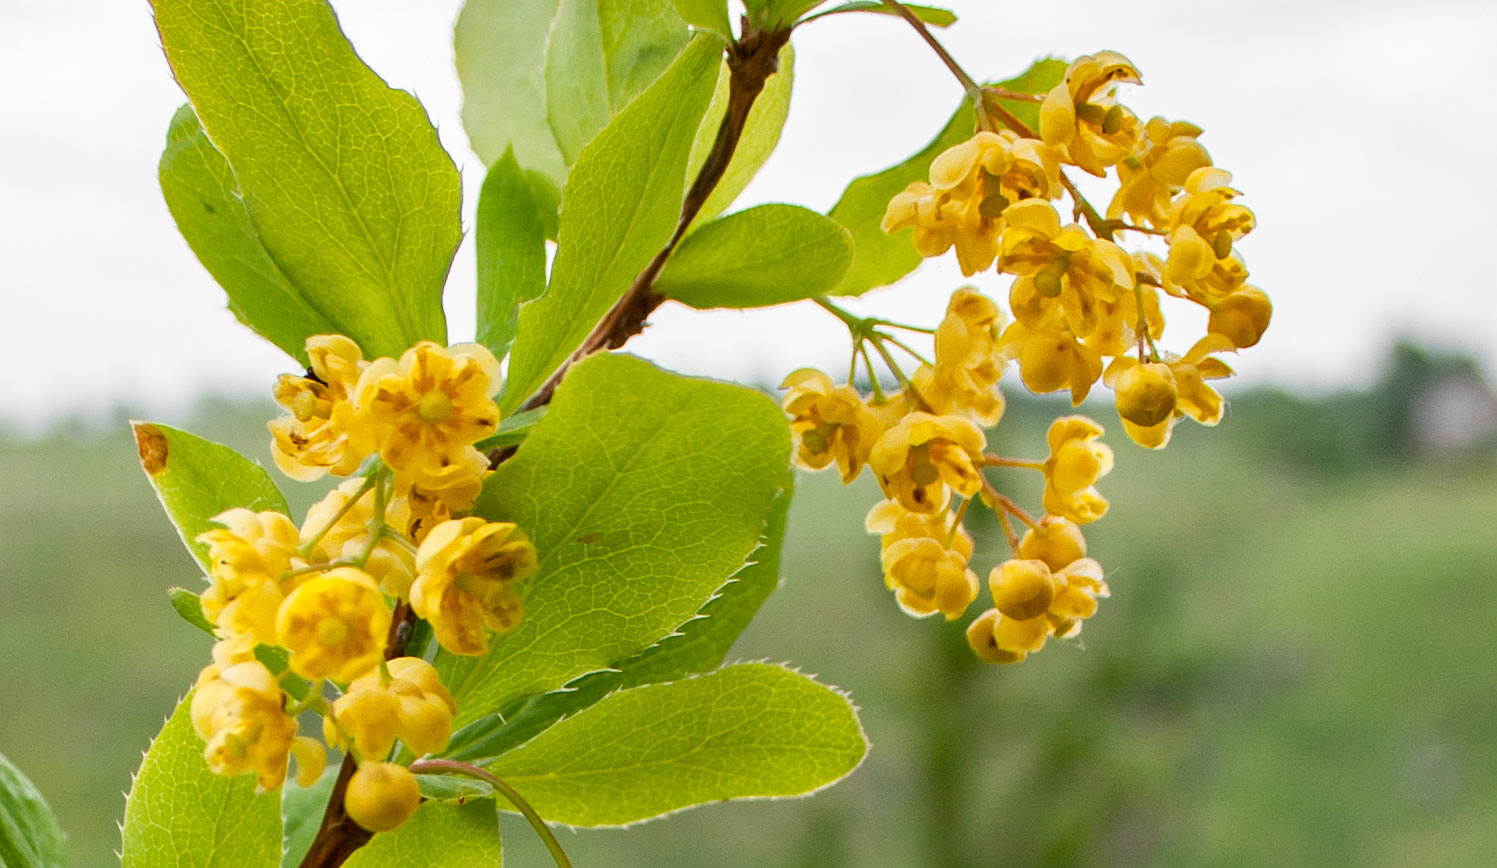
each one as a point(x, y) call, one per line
point(697, 646)
point(511, 243)
point(880, 259)
point(196, 480)
point(181, 815)
point(29, 834)
point(203, 198)
point(301, 811)
point(190, 606)
point(619, 211)
point(643, 492)
point(711, 15)
point(544, 76)
point(761, 133)
point(932, 15)
point(767, 255)
point(342, 176)
point(439, 833)
point(748, 730)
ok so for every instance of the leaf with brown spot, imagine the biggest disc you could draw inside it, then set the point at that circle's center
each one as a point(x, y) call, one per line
point(197, 479)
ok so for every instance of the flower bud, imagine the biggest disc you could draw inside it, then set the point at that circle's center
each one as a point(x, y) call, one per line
point(381, 796)
point(1021, 589)
point(1147, 394)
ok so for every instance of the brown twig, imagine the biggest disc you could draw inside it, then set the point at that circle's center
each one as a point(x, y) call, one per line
point(751, 61)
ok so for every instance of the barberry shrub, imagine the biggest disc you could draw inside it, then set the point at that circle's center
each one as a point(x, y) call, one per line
point(519, 590)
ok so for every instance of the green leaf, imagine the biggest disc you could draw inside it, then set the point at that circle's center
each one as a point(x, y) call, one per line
point(29, 834)
point(342, 176)
point(643, 492)
point(748, 730)
point(513, 429)
point(439, 833)
point(181, 815)
point(301, 810)
point(511, 244)
point(203, 198)
point(697, 646)
point(767, 255)
point(452, 787)
point(932, 15)
point(544, 76)
point(880, 259)
point(618, 213)
point(761, 133)
point(711, 15)
point(190, 607)
point(196, 480)
point(779, 14)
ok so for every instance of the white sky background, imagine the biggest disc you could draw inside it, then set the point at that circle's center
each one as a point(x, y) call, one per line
point(1358, 133)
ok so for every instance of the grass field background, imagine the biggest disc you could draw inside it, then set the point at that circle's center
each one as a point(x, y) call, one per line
point(1296, 667)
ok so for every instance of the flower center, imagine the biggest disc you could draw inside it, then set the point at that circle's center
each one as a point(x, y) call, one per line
point(434, 407)
point(331, 631)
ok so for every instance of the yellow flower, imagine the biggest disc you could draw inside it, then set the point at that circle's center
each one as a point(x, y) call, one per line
point(248, 559)
point(390, 564)
point(1080, 117)
point(829, 423)
point(1168, 153)
point(412, 706)
point(1191, 371)
point(925, 574)
point(1056, 541)
point(1034, 602)
point(1118, 328)
point(968, 364)
point(982, 636)
point(1062, 271)
point(1052, 359)
point(381, 796)
point(917, 460)
point(323, 433)
point(334, 625)
point(970, 186)
point(1241, 317)
point(240, 712)
point(1147, 398)
point(431, 407)
point(464, 572)
point(1075, 464)
point(1203, 225)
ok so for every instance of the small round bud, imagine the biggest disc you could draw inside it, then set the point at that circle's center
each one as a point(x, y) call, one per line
point(381, 796)
point(1147, 394)
point(1221, 244)
point(1241, 317)
point(1021, 589)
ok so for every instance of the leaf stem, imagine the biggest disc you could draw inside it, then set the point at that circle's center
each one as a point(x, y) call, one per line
point(973, 89)
point(462, 768)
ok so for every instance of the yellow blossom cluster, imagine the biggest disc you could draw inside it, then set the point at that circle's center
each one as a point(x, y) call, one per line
point(327, 593)
point(1084, 307)
point(925, 446)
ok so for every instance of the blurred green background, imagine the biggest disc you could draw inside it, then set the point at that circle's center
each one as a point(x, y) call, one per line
point(1297, 665)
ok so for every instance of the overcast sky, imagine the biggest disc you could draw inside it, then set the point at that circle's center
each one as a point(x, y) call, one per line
point(1359, 134)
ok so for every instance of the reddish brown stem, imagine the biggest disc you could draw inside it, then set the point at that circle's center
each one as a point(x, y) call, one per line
point(751, 61)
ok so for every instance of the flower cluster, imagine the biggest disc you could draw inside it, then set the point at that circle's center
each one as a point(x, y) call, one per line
point(925, 446)
point(1084, 308)
point(326, 593)
point(1081, 308)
